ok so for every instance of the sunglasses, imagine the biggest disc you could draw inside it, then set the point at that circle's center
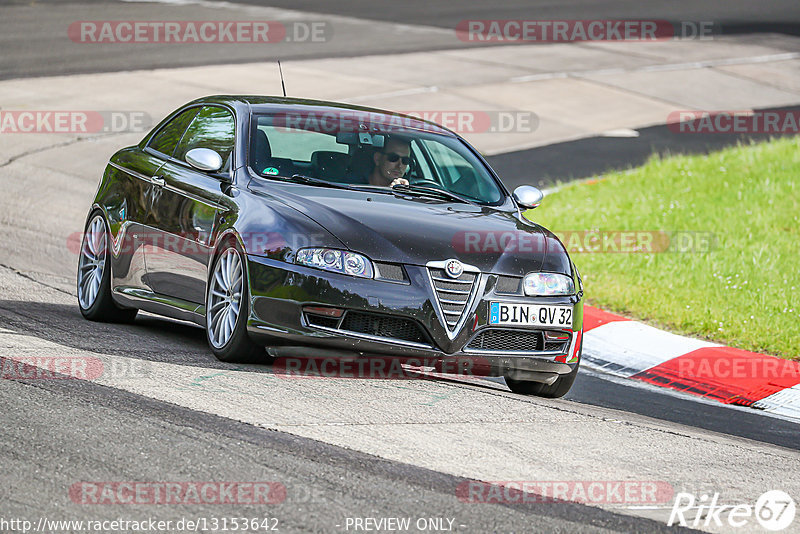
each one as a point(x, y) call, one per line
point(392, 157)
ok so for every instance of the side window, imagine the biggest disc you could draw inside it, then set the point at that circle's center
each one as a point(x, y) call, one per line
point(447, 161)
point(459, 175)
point(300, 145)
point(212, 128)
point(422, 171)
point(168, 137)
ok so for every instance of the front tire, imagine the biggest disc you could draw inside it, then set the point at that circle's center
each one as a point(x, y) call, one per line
point(227, 309)
point(557, 389)
point(94, 276)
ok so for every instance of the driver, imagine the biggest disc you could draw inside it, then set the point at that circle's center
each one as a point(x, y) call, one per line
point(391, 163)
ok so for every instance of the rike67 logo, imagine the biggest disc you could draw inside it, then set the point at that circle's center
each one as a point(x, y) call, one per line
point(774, 510)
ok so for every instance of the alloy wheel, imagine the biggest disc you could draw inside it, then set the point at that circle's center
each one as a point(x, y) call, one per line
point(92, 263)
point(224, 298)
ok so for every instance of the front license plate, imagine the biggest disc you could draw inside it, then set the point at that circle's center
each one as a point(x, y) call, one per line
point(506, 313)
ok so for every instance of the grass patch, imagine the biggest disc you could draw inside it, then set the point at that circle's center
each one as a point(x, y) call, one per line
point(744, 291)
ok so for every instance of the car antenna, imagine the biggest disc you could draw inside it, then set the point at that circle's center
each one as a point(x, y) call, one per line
point(283, 85)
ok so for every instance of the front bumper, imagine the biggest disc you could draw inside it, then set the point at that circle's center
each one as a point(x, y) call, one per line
point(381, 316)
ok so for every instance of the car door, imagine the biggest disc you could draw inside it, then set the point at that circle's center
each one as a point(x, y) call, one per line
point(134, 171)
point(129, 188)
point(185, 208)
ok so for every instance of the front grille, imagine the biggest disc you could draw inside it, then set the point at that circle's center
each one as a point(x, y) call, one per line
point(500, 340)
point(383, 326)
point(453, 294)
point(508, 340)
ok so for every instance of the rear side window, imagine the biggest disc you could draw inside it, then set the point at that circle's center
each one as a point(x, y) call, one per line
point(300, 145)
point(168, 137)
point(212, 128)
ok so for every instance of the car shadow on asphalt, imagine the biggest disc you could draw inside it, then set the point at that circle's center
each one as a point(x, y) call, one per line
point(160, 339)
point(147, 338)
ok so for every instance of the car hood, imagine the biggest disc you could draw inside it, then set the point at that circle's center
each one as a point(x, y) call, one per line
point(398, 230)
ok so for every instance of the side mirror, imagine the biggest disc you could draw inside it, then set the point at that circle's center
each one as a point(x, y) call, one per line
point(528, 196)
point(204, 159)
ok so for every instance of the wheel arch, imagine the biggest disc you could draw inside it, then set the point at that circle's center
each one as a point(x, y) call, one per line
point(225, 237)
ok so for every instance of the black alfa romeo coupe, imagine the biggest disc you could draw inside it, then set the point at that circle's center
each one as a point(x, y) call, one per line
point(274, 222)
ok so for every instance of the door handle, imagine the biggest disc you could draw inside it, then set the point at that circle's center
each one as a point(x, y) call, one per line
point(158, 180)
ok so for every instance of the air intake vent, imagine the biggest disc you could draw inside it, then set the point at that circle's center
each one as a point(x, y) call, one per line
point(390, 271)
point(379, 327)
point(453, 294)
point(324, 322)
point(384, 326)
point(555, 346)
point(506, 284)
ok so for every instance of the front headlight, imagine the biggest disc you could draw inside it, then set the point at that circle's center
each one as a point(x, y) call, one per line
point(338, 261)
point(547, 284)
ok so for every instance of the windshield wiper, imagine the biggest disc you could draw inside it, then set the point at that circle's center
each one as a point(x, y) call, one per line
point(431, 192)
point(308, 180)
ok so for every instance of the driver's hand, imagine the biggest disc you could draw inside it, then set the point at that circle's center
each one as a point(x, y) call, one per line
point(398, 181)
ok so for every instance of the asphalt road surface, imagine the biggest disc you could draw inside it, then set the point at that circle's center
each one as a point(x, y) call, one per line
point(90, 433)
point(166, 410)
point(737, 16)
point(35, 36)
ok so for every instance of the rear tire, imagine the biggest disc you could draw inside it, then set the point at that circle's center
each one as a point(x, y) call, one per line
point(228, 307)
point(94, 276)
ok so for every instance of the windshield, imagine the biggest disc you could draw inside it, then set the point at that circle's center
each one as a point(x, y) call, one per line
point(356, 148)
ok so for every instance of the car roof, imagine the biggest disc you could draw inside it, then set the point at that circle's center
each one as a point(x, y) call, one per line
point(267, 104)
